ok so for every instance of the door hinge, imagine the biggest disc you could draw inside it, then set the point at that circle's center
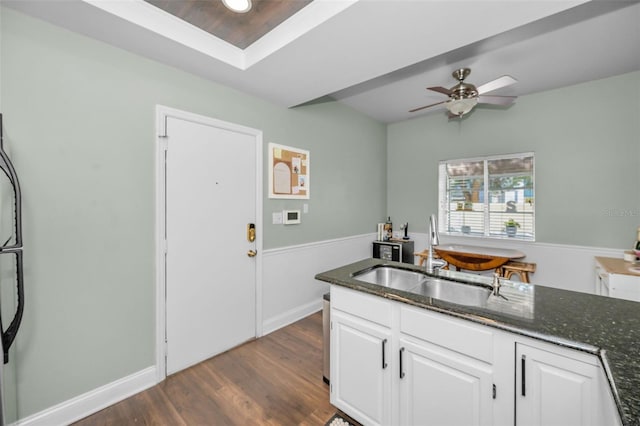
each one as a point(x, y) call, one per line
point(162, 131)
point(163, 141)
point(494, 391)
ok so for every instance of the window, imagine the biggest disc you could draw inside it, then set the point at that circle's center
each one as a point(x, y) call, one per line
point(488, 197)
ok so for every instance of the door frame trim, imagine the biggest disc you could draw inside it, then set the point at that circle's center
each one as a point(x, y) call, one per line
point(162, 113)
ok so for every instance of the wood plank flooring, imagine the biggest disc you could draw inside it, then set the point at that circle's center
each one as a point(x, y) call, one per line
point(274, 380)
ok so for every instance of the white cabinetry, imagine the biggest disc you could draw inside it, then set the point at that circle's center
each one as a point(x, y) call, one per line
point(395, 364)
point(360, 347)
point(441, 387)
point(614, 279)
point(359, 361)
point(555, 386)
point(445, 371)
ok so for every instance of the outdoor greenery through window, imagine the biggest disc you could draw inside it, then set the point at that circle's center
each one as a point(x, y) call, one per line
point(488, 197)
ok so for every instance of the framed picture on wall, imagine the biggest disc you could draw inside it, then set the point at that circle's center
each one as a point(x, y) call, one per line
point(288, 172)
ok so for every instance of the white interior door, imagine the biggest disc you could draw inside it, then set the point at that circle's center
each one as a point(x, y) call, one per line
point(210, 178)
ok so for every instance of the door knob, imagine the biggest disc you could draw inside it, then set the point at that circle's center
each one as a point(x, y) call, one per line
point(252, 253)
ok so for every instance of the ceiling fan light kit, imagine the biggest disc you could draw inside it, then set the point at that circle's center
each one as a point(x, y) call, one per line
point(460, 107)
point(463, 97)
point(239, 6)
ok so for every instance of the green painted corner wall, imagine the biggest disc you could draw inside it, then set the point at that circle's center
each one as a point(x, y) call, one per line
point(586, 140)
point(348, 175)
point(79, 123)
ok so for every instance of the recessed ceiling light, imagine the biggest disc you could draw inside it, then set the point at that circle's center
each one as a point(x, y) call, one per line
point(240, 6)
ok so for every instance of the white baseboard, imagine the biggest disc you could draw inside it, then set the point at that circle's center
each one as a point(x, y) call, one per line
point(291, 316)
point(91, 402)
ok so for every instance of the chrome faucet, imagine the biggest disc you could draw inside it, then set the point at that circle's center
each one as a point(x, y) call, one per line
point(434, 240)
point(496, 284)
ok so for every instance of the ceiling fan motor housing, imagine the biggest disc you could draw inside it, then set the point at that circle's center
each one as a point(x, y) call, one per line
point(463, 91)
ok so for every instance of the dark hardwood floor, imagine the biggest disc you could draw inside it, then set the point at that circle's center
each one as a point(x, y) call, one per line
point(274, 380)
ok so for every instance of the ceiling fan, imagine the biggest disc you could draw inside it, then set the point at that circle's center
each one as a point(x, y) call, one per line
point(464, 96)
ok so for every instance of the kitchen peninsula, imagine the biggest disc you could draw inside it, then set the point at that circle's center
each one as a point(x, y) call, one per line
point(598, 333)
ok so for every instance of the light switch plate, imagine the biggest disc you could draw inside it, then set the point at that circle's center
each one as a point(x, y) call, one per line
point(305, 208)
point(276, 218)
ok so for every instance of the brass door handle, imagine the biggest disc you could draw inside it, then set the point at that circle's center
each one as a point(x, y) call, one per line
point(252, 253)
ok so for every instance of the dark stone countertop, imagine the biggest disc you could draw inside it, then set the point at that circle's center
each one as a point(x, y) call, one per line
point(606, 327)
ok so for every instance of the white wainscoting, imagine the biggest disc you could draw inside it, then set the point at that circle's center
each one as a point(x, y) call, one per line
point(560, 266)
point(289, 290)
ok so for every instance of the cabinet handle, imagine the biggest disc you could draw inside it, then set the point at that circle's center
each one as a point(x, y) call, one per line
point(401, 369)
point(523, 374)
point(384, 350)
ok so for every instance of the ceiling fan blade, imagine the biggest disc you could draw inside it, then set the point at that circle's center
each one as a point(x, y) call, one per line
point(426, 106)
point(498, 83)
point(496, 100)
point(440, 89)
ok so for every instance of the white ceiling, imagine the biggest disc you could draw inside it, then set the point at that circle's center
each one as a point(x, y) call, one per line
point(378, 56)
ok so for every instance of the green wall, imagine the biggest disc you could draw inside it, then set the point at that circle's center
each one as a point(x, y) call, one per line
point(80, 120)
point(586, 140)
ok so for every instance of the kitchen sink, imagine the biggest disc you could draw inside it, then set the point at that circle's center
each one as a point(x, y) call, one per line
point(424, 285)
point(454, 292)
point(388, 276)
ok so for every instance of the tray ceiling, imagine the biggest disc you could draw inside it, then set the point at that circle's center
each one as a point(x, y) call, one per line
point(239, 29)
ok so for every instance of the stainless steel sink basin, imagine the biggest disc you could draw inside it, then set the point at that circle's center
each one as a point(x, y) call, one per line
point(391, 277)
point(451, 291)
point(424, 285)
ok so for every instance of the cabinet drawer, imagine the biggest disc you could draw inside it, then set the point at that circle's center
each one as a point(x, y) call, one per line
point(452, 333)
point(367, 306)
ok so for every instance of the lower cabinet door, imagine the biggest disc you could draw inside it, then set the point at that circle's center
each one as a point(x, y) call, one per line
point(360, 371)
point(442, 387)
point(554, 389)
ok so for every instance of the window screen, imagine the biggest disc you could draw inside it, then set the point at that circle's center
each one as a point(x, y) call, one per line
point(488, 197)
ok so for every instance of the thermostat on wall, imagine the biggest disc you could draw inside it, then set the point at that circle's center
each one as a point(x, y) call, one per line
point(291, 217)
